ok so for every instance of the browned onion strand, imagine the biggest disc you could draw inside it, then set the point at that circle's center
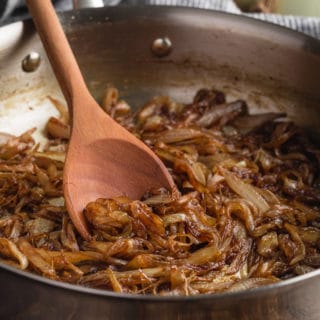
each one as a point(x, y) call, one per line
point(247, 214)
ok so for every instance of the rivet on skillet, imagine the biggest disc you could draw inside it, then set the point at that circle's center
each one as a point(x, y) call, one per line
point(31, 62)
point(161, 47)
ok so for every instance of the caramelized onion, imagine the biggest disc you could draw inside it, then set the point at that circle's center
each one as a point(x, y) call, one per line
point(57, 129)
point(9, 250)
point(245, 190)
point(38, 263)
point(246, 213)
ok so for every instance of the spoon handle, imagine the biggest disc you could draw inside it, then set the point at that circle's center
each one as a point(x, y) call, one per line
point(58, 50)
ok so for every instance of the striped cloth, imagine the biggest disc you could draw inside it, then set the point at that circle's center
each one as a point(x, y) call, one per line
point(308, 25)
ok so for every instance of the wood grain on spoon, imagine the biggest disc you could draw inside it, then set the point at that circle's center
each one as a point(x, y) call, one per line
point(103, 159)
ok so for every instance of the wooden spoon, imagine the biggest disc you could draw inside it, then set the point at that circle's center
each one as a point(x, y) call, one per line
point(103, 159)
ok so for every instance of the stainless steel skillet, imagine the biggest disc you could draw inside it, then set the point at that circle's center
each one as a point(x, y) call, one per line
point(271, 67)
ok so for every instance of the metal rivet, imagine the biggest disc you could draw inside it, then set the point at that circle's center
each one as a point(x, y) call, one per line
point(31, 62)
point(161, 47)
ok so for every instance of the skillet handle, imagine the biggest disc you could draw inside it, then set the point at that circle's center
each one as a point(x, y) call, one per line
point(59, 52)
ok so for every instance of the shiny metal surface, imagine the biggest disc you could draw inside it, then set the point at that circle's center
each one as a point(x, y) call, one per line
point(271, 67)
point(31, 62)
point(161, 47)
point(81, 4)
point(25, 296)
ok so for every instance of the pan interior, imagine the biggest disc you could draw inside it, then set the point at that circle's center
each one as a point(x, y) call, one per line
point(272, 68)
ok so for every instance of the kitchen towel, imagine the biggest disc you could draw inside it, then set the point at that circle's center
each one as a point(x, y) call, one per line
point(308, 25)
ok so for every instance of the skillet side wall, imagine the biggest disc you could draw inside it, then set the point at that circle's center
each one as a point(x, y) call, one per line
point(273, 68)
point(24, 298)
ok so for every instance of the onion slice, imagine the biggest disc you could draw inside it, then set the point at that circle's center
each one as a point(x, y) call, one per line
point(245, 190)
point(10, 250)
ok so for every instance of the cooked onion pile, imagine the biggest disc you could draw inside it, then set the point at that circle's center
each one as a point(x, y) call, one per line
point(247, 214)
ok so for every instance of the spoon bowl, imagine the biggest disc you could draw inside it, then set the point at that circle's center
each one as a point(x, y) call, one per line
point(103, 158)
